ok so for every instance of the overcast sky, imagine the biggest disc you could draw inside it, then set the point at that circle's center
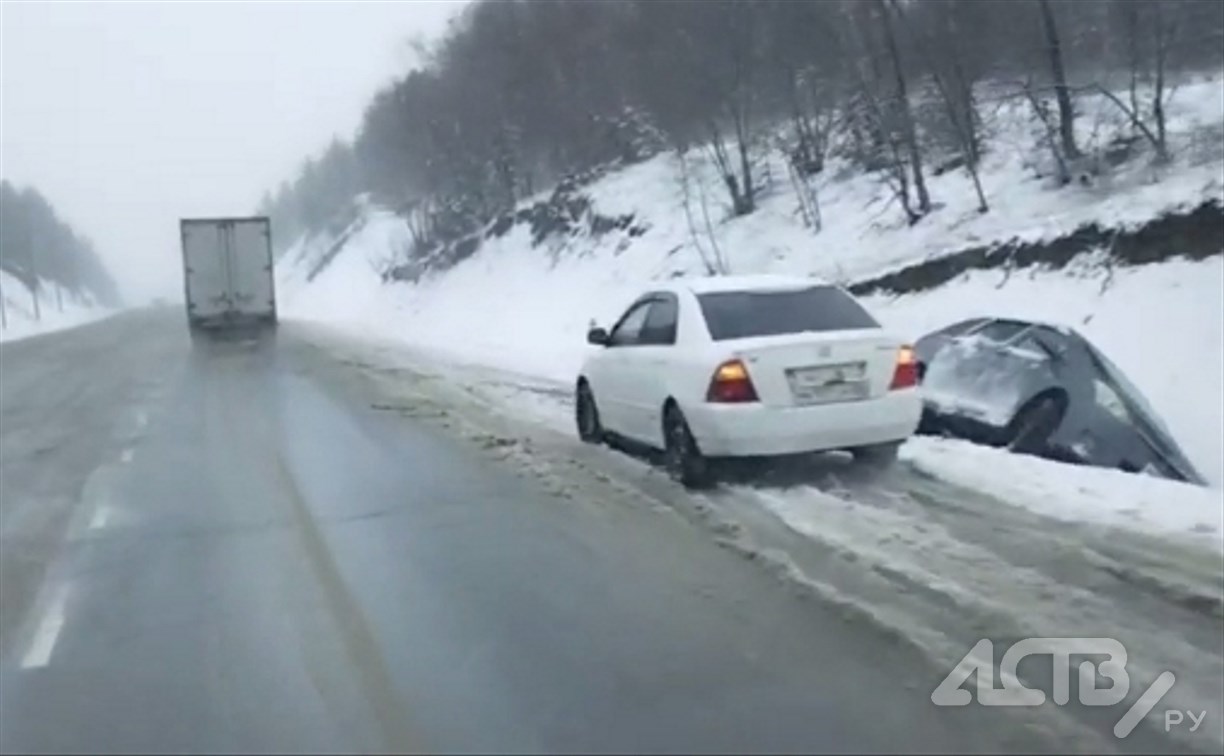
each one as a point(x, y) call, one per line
point(130, 115)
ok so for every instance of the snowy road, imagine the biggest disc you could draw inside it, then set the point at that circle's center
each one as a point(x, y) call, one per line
point(937, 564)
point(317, 543)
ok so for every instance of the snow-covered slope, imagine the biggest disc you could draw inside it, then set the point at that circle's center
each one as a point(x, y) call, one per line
point(56, 311)
point(526, 307)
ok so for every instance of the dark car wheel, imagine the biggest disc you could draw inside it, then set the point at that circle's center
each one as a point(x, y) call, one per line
point(683, 459)
point(1029, 432)
point(587, 416)
point(928, 424)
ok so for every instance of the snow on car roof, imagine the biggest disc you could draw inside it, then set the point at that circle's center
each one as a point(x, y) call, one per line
point(759, 282)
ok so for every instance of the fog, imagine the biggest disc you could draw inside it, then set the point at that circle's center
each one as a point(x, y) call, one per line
point(128, 116)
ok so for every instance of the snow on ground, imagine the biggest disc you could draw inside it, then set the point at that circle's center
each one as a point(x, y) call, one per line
point(1076, 494)
point(526, 309)
point(19, 318)
point(864, 233)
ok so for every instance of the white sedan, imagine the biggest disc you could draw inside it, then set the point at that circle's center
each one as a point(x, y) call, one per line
point(748, 366)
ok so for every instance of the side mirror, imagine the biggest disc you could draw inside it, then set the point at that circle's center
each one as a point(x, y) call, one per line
point(597, 336)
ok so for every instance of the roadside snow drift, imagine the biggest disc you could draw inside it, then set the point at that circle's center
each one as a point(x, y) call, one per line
point(55, 313)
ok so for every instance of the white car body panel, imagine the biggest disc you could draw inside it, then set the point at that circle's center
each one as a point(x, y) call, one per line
point(631, 384)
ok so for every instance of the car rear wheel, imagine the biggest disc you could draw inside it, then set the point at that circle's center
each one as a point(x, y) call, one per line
point(586, 413)
point(877, 456)
point(684, 461)
point(1029, 432)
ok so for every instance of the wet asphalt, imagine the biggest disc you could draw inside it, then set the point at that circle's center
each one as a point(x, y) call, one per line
point(207, 547)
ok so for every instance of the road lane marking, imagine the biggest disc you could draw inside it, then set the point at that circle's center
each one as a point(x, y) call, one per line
point(127, 455)
point(39, 653)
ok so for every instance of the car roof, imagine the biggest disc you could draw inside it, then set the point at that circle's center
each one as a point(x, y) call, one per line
point(758, 282)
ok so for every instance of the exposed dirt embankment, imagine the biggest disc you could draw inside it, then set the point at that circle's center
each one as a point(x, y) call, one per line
point(1194, 234)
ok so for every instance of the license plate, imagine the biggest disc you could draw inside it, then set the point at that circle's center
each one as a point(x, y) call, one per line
point(828, 383)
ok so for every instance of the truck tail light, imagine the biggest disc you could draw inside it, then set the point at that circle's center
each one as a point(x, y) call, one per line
point(731, 384)
point(905, 374)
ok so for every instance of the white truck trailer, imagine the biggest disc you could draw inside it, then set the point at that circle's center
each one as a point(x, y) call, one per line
point(227, 272)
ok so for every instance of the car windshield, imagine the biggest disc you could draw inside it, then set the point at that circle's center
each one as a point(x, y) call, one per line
point(744, 314)
point(1130, 395)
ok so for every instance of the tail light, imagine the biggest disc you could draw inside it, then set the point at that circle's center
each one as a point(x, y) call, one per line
point(905, 375)
point(731, 384)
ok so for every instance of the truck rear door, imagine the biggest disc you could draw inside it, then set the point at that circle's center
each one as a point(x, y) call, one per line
point(206, 271)
point(228, 270)
point(249, 252)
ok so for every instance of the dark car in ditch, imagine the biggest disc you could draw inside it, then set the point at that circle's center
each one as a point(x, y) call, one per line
point(1042, 389)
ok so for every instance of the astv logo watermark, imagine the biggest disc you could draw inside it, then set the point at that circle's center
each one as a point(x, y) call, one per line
point(1013, 692)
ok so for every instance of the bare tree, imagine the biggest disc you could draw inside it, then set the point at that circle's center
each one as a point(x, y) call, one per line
point(724, 40)
point(1151, 30)
point(884, 146)
point(1066, 109)
point(956, 95)
point(44, 254)
point(521, 93)
point(1049, 129)
point(905, 116)
point(712, 260)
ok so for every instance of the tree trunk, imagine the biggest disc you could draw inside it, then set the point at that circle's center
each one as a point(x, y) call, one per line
point(907, 121)
point(34, 278)
point(723, 162)
point(749, 191)
point(1162, 49)
point(1066, 112)
point(1131, 9)
point(1039, 109)
point(958, 105)
point(963, 87)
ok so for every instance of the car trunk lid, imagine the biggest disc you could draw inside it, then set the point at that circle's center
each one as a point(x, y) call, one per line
point(818, 368)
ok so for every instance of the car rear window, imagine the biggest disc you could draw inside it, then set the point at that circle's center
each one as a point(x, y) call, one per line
point(743, 314)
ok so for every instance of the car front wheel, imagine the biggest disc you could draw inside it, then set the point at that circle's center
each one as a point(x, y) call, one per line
point(1029, 432)
point(683, 459)
point(586, 414)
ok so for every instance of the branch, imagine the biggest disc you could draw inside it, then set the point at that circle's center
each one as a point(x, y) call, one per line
point(1132, 115)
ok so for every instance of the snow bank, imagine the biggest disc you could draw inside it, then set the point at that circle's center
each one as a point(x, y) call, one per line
point(19, 319)
point(1076, 494)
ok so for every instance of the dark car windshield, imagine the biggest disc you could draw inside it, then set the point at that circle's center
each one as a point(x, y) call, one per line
point(1150, 424)
point(743, 314)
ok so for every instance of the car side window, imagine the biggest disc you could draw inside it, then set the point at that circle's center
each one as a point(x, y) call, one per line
point(1108, 400)
point(628, 331)
point(660, 326)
